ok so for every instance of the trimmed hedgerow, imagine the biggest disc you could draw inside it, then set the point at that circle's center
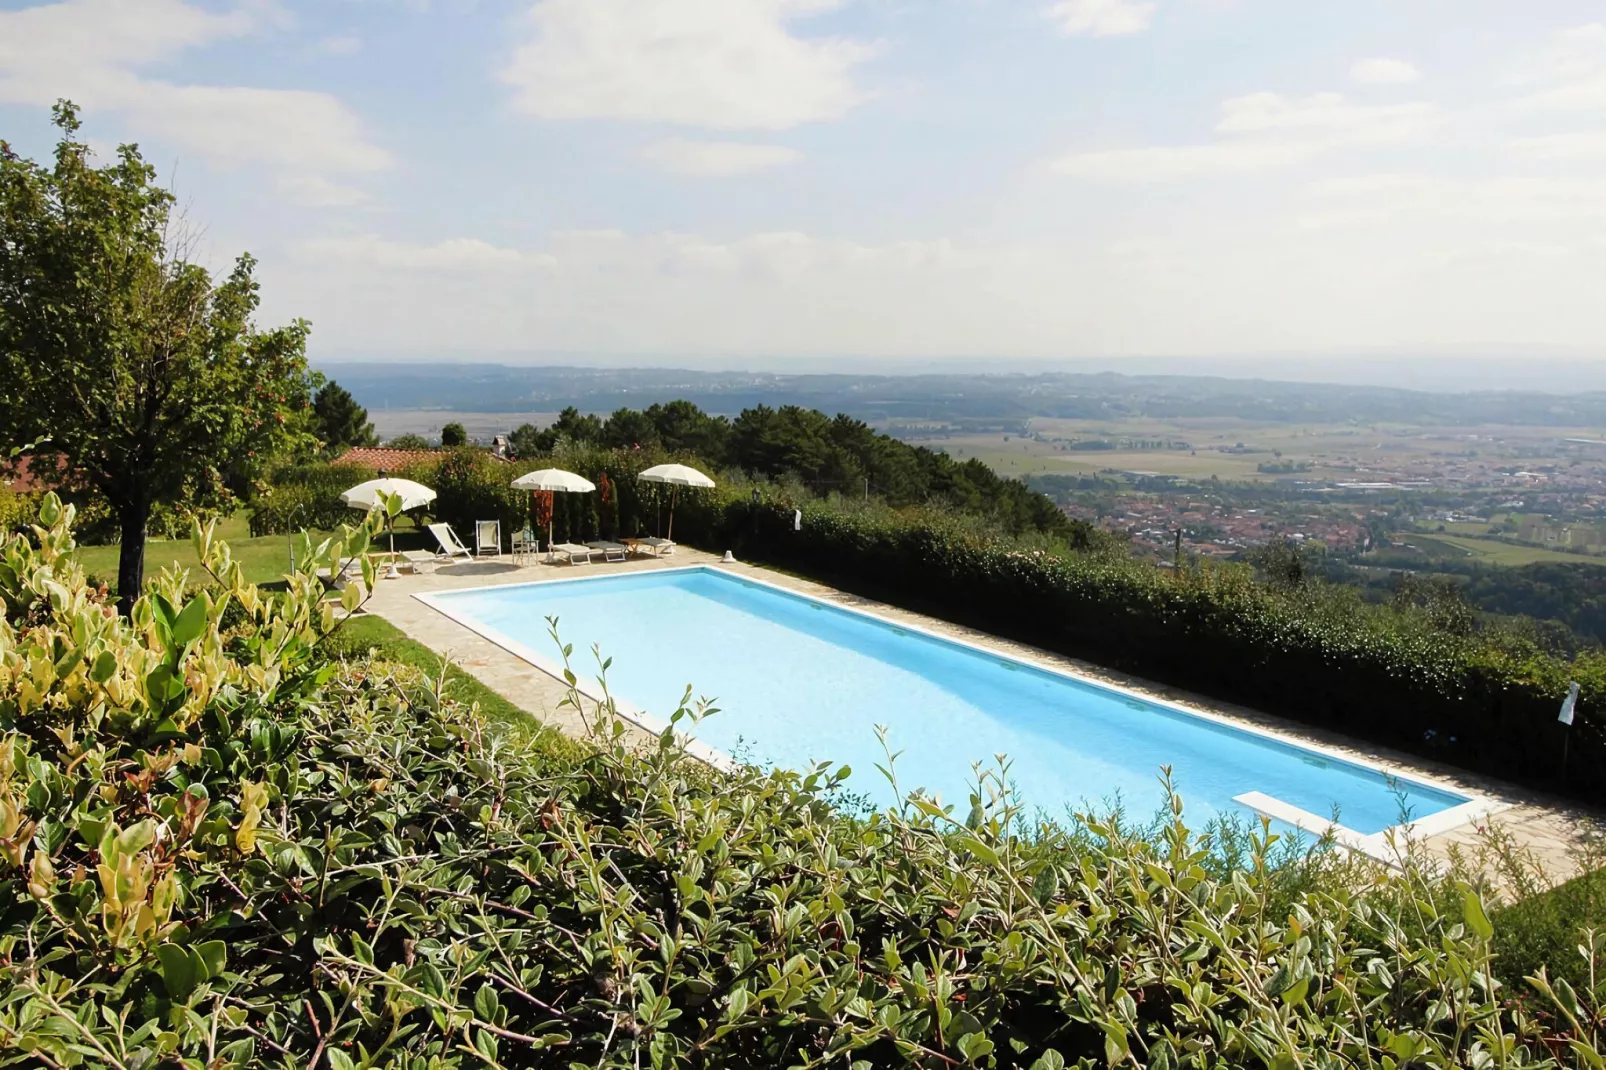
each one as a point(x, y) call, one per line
point(222, 849)
point(305, 498)
point(1316, 654)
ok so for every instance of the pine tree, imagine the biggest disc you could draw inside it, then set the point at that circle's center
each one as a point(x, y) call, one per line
point(340, 422)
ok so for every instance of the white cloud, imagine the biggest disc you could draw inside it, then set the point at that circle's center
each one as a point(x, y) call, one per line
point(455, 255)
point(1528, 204)
point(1381, 71)
point(724, 64)
point(1102, 18)
point(1569, 146)
point(1163, 163)
point(93, 51)
point(718, 157)
point(315, 191)
point(1568, 76)
point(341, 45)
point(1261, 132)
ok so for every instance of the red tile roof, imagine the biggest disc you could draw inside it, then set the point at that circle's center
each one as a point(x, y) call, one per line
point(389, 460)
point(30, 473)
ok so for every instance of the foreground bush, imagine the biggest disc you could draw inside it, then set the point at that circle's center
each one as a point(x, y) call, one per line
point(221, 849)
point(18, 510)
point(1315, 654)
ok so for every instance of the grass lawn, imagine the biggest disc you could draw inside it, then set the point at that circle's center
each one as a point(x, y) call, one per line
point(265, 559)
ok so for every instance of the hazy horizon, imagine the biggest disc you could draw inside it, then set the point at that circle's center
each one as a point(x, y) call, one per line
point(1553, 375)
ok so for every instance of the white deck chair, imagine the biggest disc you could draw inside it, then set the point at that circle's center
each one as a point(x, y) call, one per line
point(451, 546)
point(487, 538)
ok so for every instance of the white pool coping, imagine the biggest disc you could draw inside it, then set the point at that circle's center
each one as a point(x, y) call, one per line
point(1379, 845)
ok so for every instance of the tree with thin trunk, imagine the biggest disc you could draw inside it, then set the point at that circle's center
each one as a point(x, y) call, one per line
point(144, 375)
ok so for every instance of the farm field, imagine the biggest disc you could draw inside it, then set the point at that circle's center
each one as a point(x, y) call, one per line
point(1489, 551)
point(1023, 457)
point(1234, 449)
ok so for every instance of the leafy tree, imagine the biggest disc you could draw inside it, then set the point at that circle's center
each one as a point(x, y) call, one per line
point(577, 426)
point(1281, 562)
point(148, 377)
point(339, 421)
point(410, 442)
point(684, 428)
point(453, 435)
point(627, 428)
point(527, 440)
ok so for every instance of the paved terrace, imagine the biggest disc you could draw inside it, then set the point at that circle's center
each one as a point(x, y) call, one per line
point(1551, 829)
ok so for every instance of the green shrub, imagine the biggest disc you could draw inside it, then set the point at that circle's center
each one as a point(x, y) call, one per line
point(1545, 929)
point(218, 848)
point(470, 485)
point(1316, 654)
point(18, 511)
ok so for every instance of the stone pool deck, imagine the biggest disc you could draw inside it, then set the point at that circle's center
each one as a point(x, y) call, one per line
point(1550, 829)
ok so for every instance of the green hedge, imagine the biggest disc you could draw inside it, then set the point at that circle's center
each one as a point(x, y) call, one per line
point(306, 497)
point(471, 485)
point(1317, 655)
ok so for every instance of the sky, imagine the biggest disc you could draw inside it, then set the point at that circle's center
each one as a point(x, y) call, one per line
point(772, 183)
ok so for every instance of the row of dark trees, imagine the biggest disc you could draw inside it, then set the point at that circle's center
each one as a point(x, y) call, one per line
point(827, 454)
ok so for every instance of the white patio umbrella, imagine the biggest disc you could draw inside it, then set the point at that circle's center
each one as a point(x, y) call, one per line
point(554, 479)
point(677, 476)
point(365, 496)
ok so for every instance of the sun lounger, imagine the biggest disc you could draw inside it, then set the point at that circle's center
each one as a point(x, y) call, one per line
point(451, 546)
point(418, 560)
point(350, 571)
point(610, 551)
point(655, 545)
point(577, 554)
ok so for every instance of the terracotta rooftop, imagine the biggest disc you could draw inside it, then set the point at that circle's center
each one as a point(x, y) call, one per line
point(30, 472)
point(382, 458)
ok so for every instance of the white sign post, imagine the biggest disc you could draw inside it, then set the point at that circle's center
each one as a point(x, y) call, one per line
point(1568, 706)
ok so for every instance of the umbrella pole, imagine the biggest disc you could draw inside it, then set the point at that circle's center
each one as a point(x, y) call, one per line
point(674, 493)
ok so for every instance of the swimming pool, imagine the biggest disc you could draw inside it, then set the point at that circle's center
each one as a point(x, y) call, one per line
point(798, 680)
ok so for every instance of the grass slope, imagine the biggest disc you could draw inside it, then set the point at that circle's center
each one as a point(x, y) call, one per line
point(365, 634)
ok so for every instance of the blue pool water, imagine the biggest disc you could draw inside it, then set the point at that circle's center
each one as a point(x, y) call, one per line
point(797, 680)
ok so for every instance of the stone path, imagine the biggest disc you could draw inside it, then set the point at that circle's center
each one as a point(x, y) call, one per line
point(1551, 830)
